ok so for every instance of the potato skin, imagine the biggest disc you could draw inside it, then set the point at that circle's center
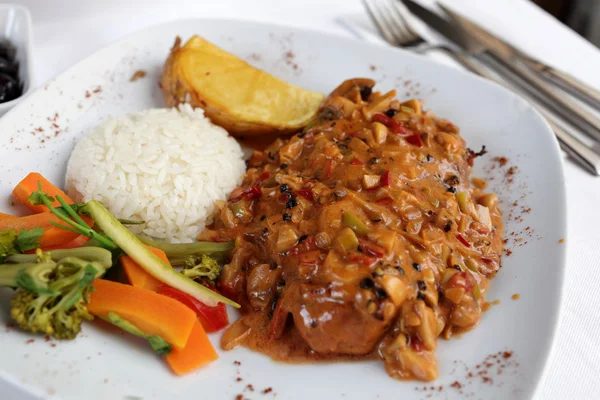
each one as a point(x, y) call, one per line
point(177, 90)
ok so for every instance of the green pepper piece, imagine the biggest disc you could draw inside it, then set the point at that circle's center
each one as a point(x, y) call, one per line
point(354, 223)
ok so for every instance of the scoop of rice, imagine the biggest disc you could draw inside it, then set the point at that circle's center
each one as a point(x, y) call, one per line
point(163, 166)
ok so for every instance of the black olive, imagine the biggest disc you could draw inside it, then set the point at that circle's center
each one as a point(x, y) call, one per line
point(367, 283)
point(7, 67)
point(9, 88)
point(417, 267)
point(365, 92)
point(284, 188)
point(287, 217)
point(391, 112)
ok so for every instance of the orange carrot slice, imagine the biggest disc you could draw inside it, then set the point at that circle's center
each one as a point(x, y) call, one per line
point(150, 312)
point(138, 276)
point(53, 235)
point(30, 184)
point(197, 352)
point(79, 241)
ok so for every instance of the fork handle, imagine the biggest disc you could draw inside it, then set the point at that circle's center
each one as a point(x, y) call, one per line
point(579, 152)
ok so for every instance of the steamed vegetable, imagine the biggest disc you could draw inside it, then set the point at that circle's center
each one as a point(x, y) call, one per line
point(12, 242)
point(26, 193)
point(159, 345)
point(212, 318)
point(151, 313)
point(197, 352)
point(137, 276)
point(178, 253)
point(51, 296)
point(202, 267)
point(96, 254)
point(52, 235)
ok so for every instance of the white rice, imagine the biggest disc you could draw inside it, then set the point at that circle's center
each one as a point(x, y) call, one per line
point(162, 166)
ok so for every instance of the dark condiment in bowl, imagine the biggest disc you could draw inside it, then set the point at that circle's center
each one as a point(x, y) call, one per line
point(10, 86)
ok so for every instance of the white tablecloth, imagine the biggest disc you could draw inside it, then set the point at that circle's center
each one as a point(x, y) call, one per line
point(67, 31)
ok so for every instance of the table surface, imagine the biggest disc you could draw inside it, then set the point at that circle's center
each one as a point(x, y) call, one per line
point(69, 30)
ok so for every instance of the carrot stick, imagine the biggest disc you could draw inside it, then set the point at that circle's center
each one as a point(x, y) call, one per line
point(79, 241)
point(150, 312)
point(138, 276)
point(197, 352)
point(30, 184)
point(53, 235)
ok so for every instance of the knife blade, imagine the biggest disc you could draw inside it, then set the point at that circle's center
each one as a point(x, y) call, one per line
point(562, 79)
point(498, 59)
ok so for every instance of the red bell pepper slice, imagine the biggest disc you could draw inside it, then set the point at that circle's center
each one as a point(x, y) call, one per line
point(462, 239)
point(356, 161)
point(250, 193)
point(307, 194)
point(211, 318)
point(391, 124)
point(415, 140)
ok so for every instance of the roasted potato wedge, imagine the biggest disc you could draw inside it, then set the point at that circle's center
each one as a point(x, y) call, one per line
point(242, 99)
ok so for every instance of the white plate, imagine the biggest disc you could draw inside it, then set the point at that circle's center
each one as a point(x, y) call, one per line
point(39, 133)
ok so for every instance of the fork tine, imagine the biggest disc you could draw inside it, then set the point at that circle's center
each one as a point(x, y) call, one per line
point(409, 37)
point(393, 26)
point(379, 22)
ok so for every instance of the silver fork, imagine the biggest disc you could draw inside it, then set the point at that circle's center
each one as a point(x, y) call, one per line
point(396, 30)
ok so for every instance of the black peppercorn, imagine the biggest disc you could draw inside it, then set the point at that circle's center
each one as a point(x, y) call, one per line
point(420, 296)
point(302, 238)
point(422, 285)
point(380, 293)
point(367, 283)
point(284, 188)
point(283, 166)
point(287, 217)
point(400, 270)
point(291, 203)
point(365, 92)
point(417, 267)
point(391, 112)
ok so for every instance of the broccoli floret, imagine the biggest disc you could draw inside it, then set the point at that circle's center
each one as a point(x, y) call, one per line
point(51, 296)
point(198, 267)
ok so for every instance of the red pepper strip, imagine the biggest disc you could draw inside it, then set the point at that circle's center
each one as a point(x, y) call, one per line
point(264, 176)
point(277, 324)
point(385, 179)
point(463, 240)
point(285, 197)
point(304, 247)
point(487, 260)
point(250, 193)
point(415, 140)
point(211, 318)
point(328, 169)
point(416, 344)
point(385, 201)
point(356, 161)
point(307, 194)
point(391, 124)
point(462, 279)
point(311, 257)
point(359, 258)
point(370, 249)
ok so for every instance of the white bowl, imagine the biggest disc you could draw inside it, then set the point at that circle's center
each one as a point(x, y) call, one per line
point(15, 26)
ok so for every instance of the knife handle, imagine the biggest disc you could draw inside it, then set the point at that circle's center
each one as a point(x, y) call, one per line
point(547, 94)
point(580, 152)
point(569, 83)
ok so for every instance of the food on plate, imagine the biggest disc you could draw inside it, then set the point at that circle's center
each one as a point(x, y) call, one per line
point(360, 236)
point(242, 99)
point(165, 167)
point(10, 86)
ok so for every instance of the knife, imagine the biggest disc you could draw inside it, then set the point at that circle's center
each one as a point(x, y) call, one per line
point(498, 60)
point(584, 155)
point(565, 81)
